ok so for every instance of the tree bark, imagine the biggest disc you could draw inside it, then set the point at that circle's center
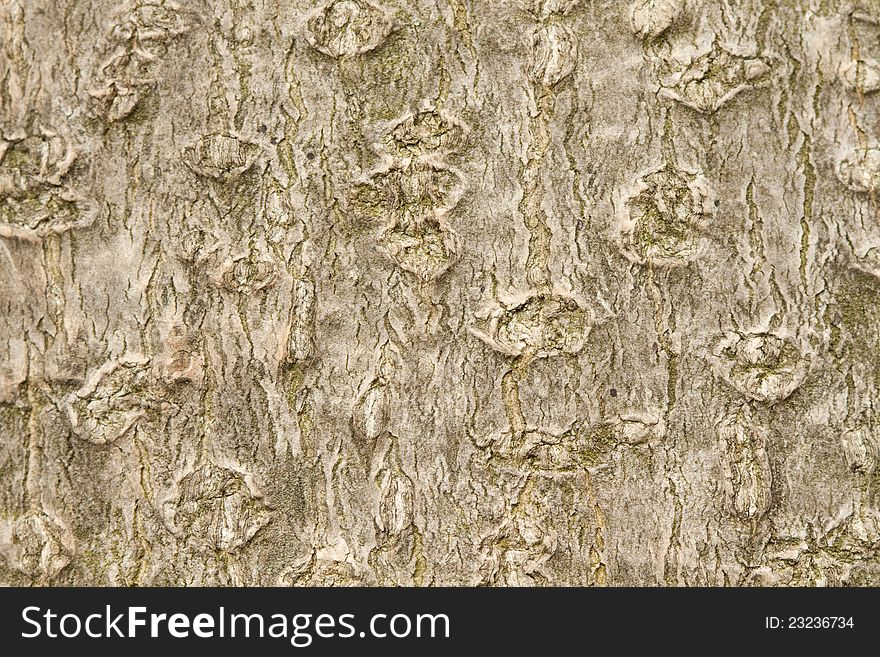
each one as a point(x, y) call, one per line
point(441, 292)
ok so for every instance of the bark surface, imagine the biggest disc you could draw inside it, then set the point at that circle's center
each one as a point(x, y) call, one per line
point(439, 292)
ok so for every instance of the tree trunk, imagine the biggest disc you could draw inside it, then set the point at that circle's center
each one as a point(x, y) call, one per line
point(447, 292)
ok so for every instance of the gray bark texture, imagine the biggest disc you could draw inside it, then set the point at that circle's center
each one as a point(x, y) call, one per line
point(439, 292)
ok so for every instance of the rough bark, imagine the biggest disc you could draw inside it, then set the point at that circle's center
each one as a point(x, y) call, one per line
point(538, 292)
